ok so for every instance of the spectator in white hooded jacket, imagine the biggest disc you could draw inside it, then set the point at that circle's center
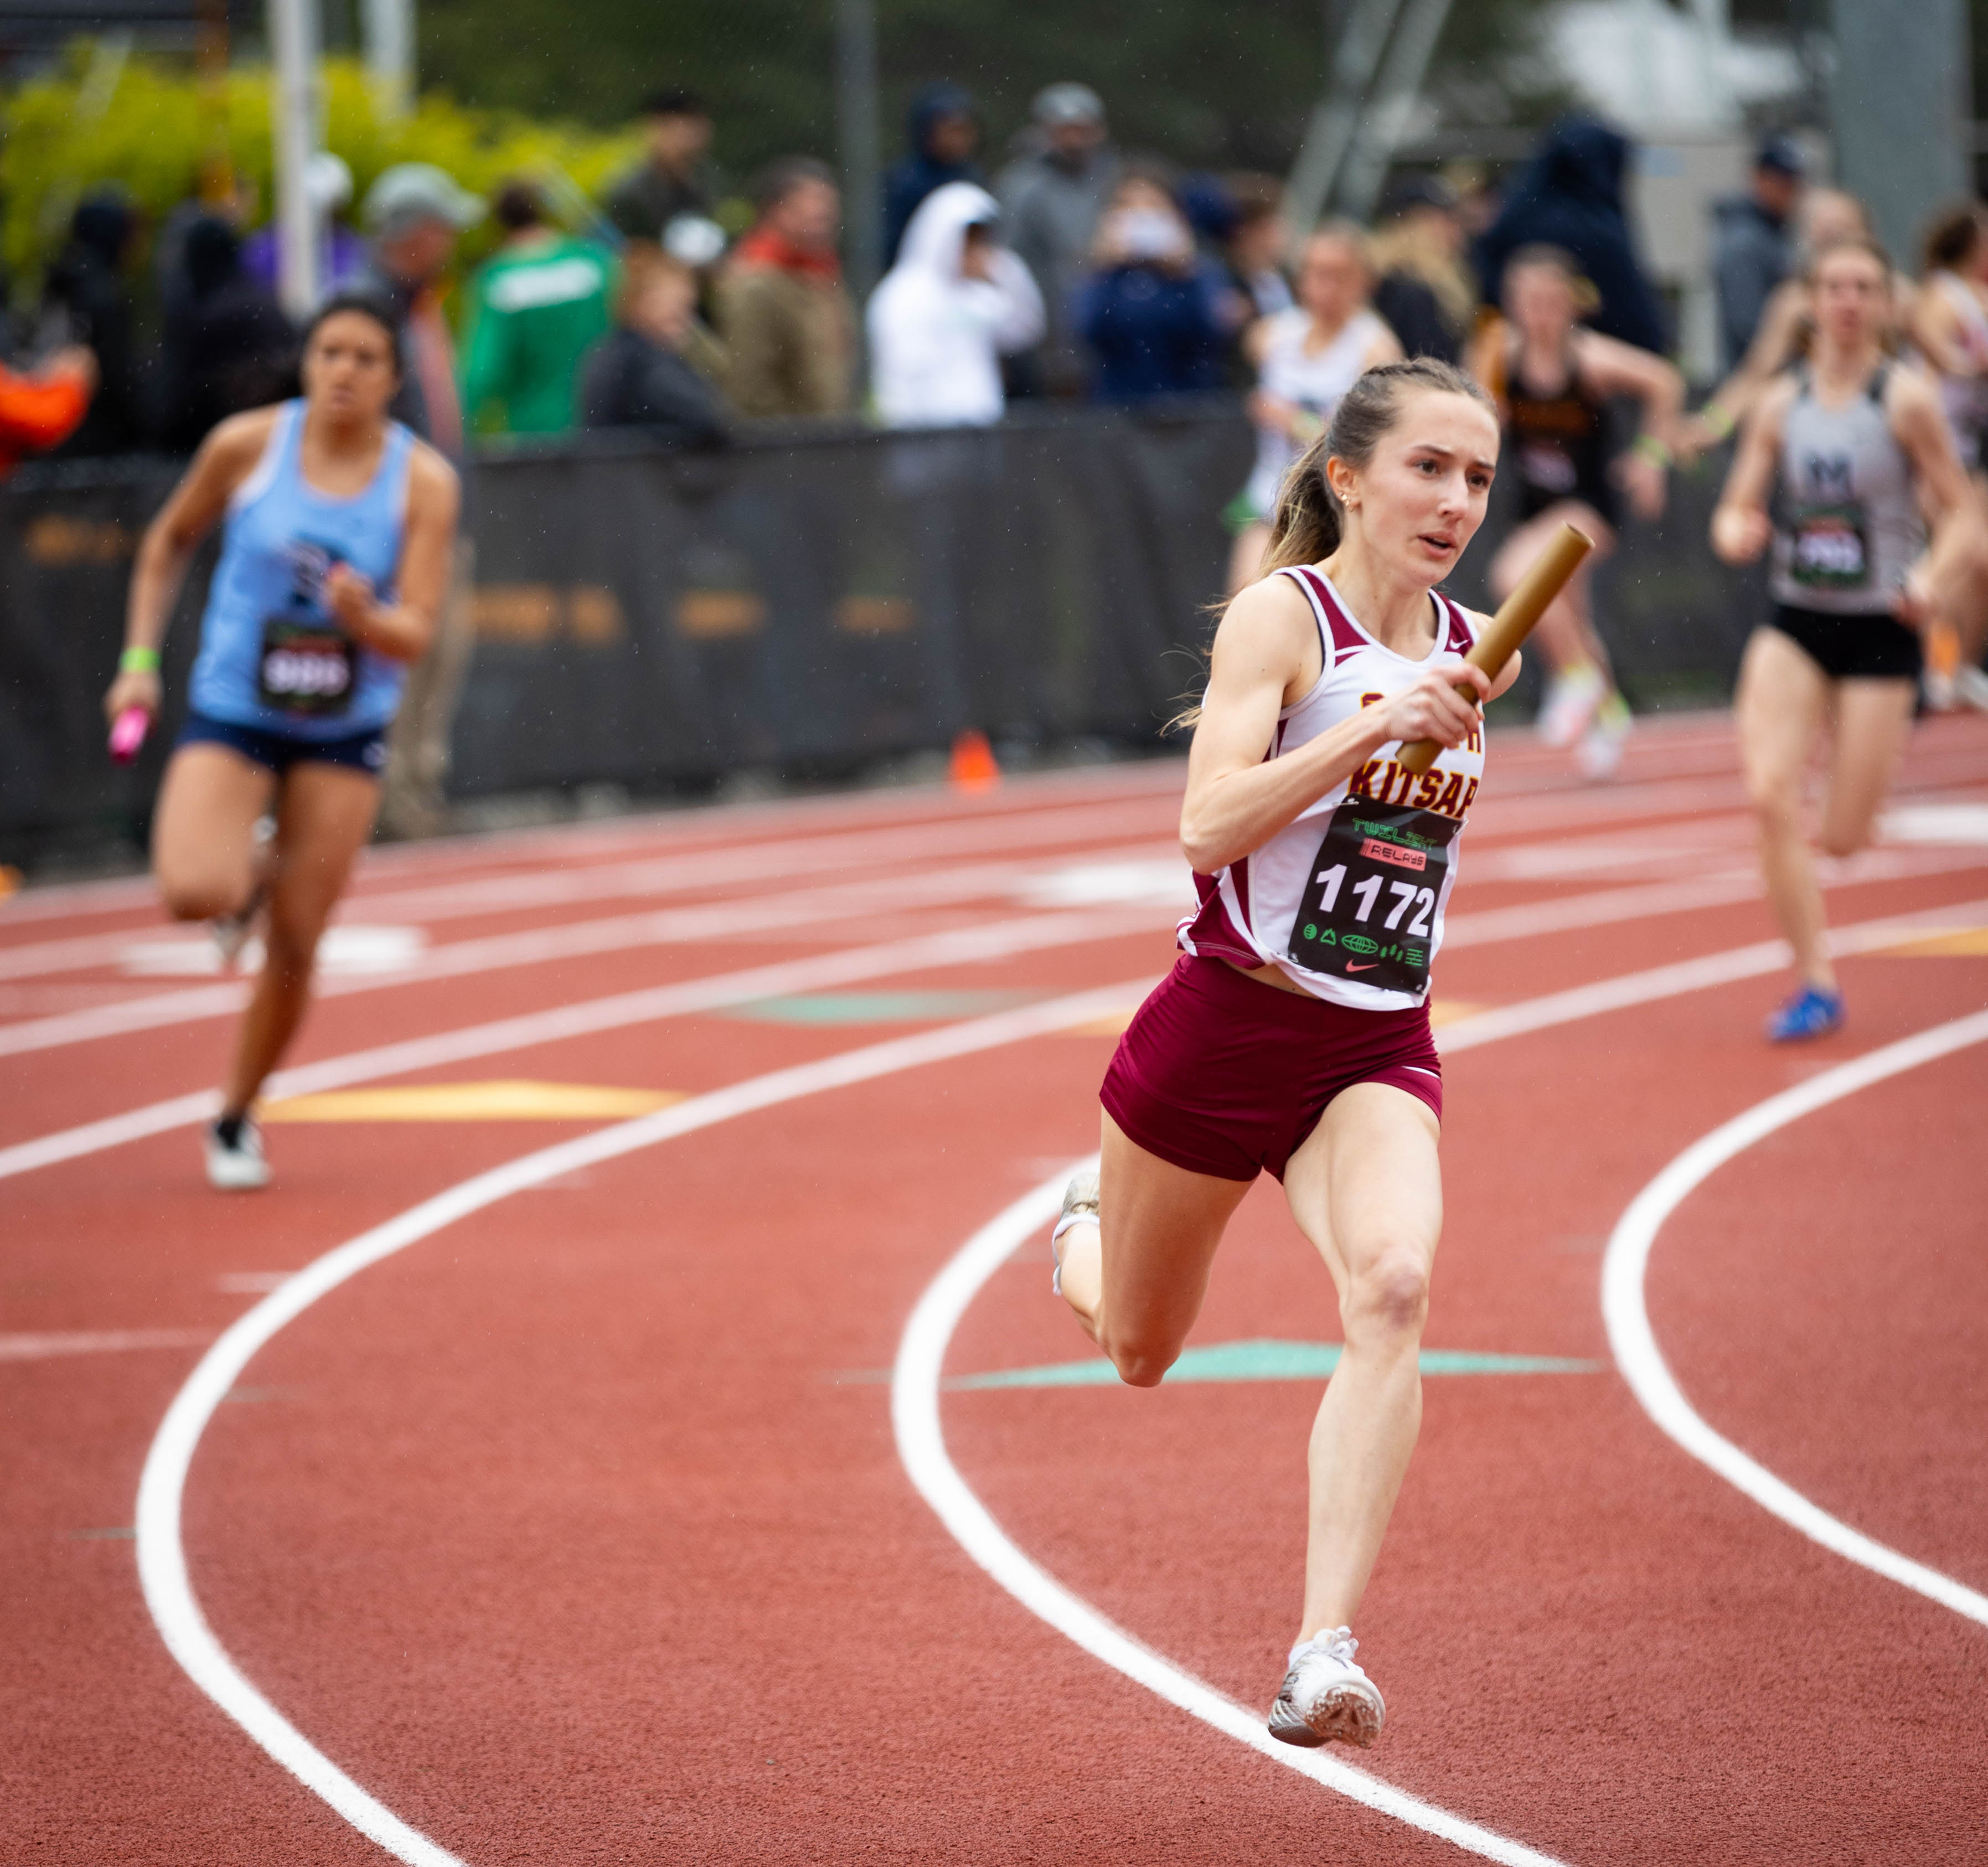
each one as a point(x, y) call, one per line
point(956, 302)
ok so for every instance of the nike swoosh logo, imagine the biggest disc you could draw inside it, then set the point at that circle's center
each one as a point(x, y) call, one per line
point(1367, 968)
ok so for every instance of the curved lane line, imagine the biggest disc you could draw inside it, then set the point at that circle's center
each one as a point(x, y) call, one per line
point(162, 1564)
point(1623, 1275)
point(708, 992)
point(914, 1416)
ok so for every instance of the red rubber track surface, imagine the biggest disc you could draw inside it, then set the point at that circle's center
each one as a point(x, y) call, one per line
point(577, 1532)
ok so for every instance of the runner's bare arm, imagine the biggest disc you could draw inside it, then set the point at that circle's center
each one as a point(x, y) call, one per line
point(1266, 656)
point(1612, 369)
point(1740, 526)
point(227, 457)
point(1953, 507)
point(404, 628)
point(1935, 327)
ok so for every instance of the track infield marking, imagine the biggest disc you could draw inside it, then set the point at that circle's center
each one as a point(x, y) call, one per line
point(1627, 1259)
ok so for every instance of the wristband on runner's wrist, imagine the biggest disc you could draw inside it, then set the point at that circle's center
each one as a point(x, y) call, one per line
point(1651, 448)
point(138, 660)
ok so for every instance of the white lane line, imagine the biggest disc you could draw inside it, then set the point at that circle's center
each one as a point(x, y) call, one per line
point(914, 1416)
point(718, 920)
point(162, 1565)
point(958, 946)
point(761, 916)
point(763, 864)
point(1684, 975)
point(163, 1569)
point(1626, 1262)
point(43, 1345)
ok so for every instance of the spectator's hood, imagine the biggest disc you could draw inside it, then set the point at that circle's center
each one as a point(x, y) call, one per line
point(931, 103)
point(1583, 160)
point(938, 231)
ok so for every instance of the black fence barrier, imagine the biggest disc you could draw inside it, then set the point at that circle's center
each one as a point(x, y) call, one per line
point(809, 602)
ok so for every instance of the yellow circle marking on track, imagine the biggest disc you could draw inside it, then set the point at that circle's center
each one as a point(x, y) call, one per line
point(496, 1101)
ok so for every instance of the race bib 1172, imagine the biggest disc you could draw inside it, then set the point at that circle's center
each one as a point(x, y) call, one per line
point(1368, 910)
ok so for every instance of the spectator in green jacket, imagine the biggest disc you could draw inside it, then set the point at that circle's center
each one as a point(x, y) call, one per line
point(535, 307)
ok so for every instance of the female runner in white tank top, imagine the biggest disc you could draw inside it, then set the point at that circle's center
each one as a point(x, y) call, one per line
point(1306, 358)
point(1293, 1032)
point(1857, 446)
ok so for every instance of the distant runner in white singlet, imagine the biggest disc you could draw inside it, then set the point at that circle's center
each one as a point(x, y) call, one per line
point(1306, 358)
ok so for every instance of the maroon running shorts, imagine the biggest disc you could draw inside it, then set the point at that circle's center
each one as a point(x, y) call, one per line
point(1220, 1073)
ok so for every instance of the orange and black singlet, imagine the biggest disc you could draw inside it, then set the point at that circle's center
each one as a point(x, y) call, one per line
point(1558, 441)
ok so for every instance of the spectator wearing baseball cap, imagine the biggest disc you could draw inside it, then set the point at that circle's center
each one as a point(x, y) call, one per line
point(1752, 243)
point(414, 212)
point(1052, 200)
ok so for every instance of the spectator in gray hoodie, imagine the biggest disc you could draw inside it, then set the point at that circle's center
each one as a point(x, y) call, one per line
point(1051, 202)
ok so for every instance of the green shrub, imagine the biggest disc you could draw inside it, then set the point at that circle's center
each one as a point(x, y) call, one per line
point(152, 138)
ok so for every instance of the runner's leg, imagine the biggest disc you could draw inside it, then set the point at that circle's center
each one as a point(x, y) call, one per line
point(1137, 1287)
point(1783, 701)
point(323, 816)
point(1366, 1190)
point(204, 850)
point(1874, 720)
point(1565, 628)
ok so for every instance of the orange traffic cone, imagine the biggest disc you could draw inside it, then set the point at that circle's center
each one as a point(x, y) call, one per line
point(973, 768)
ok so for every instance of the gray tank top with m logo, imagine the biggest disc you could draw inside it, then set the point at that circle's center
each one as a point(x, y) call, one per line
point(1847, 525)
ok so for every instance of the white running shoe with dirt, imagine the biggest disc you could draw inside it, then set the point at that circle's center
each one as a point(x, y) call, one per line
point(1326, 1697)
point(1572, 698)
point(1080, 1207)
point(235, 1162)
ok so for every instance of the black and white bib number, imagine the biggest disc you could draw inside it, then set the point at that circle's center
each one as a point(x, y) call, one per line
point(1368, 911)
point(1827, 548)
point(306, 667)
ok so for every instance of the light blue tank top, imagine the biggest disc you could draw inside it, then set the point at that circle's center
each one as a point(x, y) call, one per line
point(270, 655)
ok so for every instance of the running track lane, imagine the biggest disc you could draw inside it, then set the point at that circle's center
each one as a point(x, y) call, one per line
point(921, 1241)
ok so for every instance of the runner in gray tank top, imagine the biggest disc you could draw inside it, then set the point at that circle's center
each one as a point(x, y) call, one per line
point(1854, 448)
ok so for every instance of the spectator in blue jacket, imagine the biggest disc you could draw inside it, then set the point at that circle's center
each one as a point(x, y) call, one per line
point(1152, 311)
point(1569, 196)
point(943, 132)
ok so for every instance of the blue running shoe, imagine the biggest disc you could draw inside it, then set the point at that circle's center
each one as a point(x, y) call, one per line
point(1811, 1013)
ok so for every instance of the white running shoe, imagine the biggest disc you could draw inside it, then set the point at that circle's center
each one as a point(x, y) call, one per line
point(1326, 1696)
point(1572, 699)
point(1600, 752)
point(1970, 688)
point(236, 1166)
point(1080, 1207)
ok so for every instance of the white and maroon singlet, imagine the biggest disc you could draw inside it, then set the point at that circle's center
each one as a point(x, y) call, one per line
point(1347, 900)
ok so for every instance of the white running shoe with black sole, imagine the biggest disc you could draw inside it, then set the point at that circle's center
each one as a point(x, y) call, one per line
point(236, 1166)
point(1326, 1698)
point(1080, 1207)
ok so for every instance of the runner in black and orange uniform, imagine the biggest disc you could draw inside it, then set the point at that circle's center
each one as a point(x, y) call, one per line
point(1553, 379)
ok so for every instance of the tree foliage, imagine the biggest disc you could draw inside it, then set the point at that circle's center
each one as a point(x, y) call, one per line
point(157, 128)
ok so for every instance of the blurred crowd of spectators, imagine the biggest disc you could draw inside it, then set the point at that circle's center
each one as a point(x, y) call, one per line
point(1073, 270)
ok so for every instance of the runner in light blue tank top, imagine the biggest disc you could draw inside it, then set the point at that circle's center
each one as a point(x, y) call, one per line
point(271, 655)
point(339, 536)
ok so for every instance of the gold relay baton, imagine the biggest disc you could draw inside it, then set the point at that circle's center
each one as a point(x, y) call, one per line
point(1512, 624)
